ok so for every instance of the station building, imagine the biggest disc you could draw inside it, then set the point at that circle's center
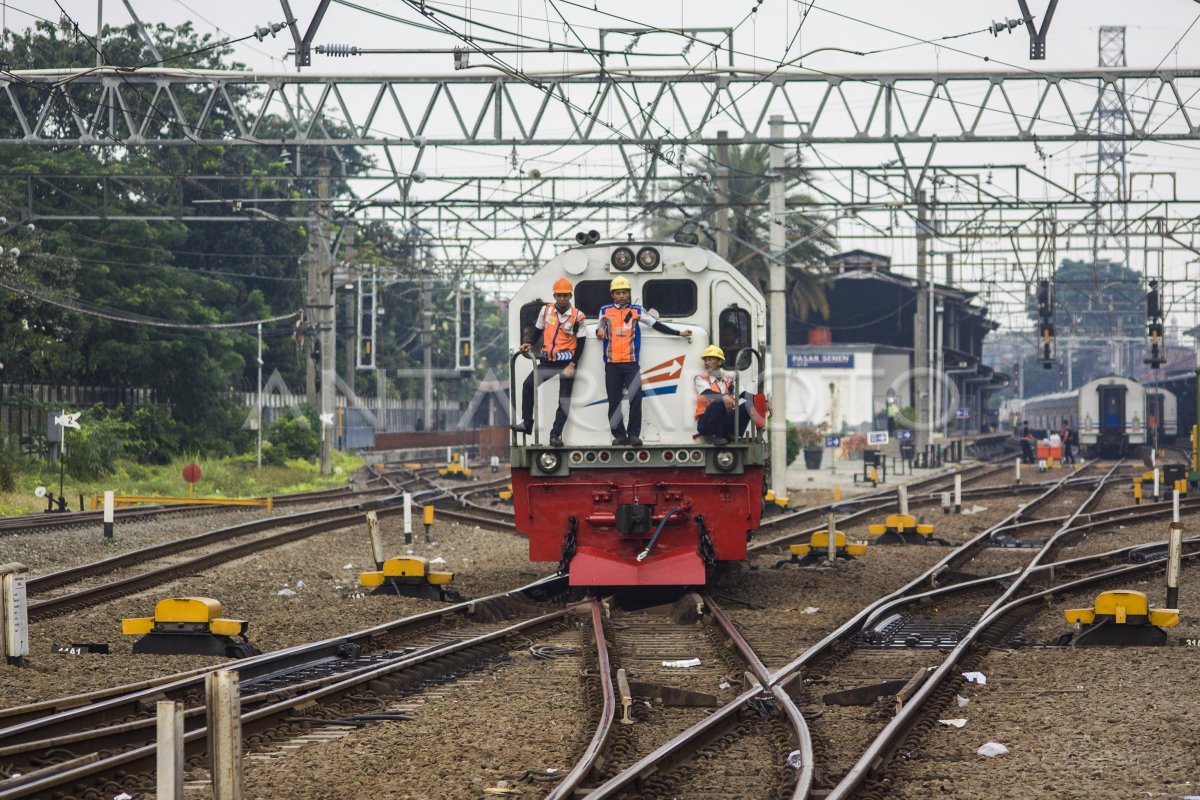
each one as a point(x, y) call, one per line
point(840, 370)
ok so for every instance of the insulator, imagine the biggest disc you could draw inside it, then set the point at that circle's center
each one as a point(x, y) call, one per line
point(338, 50)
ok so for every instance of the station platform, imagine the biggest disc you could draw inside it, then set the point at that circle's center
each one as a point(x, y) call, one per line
point(840, 473)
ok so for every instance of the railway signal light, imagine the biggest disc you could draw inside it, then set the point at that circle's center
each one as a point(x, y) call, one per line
point(1154, 326)
point(1045, 309)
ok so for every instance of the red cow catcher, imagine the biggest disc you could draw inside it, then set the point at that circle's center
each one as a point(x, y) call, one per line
point(652, 525)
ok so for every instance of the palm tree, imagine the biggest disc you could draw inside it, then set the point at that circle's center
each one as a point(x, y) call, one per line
point(747, 199)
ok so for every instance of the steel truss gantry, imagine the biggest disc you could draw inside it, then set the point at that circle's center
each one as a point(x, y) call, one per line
point(664, 110)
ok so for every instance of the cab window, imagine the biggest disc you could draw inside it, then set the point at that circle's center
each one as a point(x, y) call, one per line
point(670, 297)
point(590, 296)
point(733, 331)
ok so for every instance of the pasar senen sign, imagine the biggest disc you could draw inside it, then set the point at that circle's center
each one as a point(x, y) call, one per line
point(821, 360)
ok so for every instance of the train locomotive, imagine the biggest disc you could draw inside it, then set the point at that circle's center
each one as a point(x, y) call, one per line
point(1108, 414)
point(669, 508)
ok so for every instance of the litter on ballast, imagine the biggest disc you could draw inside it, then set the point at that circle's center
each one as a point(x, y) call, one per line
point(810, 610)
point(299, 584)
point(123, 796)
point(682, 663)
point(347, 566)
point(438, 560)
point(953, 723)
point(724, 685)
point(976, 677)
point(795, 760)
point(962, 701)
point(992, 749)
point(286, 593)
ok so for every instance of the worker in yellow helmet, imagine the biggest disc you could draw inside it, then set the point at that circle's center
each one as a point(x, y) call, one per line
point(717, 413)
point(561, 333)
point(620, 329)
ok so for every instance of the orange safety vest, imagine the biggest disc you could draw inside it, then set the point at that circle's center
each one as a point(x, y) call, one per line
point(623, 341)
point(559, 338)
point(722, 385)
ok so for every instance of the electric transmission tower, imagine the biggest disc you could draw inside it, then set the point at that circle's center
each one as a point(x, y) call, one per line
point(1111, 146)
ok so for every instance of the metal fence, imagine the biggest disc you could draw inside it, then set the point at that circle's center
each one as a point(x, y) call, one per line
point(24, 406)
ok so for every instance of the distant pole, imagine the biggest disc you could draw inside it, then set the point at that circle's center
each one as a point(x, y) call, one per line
point(427, 342)
point(777, 316)
point(258, 400)
point(922, 397)
point(722, 198)
point(99, 33)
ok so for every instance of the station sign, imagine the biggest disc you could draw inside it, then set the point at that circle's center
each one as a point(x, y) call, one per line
point(904, 436)
point(962, 413)
point(820, 360)
point(833, 441)
point(877, 437)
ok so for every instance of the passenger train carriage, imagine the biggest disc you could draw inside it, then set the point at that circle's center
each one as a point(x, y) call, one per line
point(1108, 415)
point(1162, 414)
point(667, 511)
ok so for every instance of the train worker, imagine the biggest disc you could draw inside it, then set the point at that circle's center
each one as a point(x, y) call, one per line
point(1067, 436)
point(562, 331)
point(1027, 451)
point(620, 328)
point(716, 417)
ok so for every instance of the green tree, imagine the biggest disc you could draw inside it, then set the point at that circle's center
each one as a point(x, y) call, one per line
point(747, 198)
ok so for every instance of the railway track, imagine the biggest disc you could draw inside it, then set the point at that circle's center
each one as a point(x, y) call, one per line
point(220, 546)
point(106, 739)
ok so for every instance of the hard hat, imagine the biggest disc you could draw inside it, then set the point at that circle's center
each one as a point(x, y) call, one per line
point(563, 286)
point(712, 351)
point(619, 282)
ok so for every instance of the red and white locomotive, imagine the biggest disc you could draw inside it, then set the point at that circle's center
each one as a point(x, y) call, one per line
point(666, 509)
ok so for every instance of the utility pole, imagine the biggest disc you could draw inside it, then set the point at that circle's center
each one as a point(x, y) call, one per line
point(921, 322)
point(427, 338)
point(258, 399)
point(777, 315)
point(723, 188)
point(320, 300)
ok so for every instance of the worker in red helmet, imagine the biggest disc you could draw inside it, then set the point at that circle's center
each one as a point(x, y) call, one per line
point(561, 332)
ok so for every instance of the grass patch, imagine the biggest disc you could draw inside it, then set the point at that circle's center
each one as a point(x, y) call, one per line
point(227, 477)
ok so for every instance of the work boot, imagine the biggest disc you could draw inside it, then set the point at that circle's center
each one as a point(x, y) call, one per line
point(634, 441)
point(620, 441)
point(522, 427)
point(556, 441)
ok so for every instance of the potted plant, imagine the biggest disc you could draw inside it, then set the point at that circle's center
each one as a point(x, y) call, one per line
point(812, 442)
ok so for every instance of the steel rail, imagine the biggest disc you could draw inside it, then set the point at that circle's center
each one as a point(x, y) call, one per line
point(599, 741)
point(28, 723)
point(785, 702)
point(883, 746)
point(142, 759)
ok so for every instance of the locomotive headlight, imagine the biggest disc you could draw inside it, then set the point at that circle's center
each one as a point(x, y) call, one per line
point(648, 258)
point(622, 258)
point(548, 461)
point(725, 460)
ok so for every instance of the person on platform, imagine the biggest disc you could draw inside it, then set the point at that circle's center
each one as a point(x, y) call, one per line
point(1027, 449)
point(717, 413)
point(1068, 439)
point(620, 329)
point(561, 329)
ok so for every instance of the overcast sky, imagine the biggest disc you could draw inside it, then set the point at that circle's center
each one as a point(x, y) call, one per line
point(1159, 33)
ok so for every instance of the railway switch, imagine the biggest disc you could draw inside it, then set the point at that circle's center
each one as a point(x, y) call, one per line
point(903, 529)
point(1119, 618)
point(189, 626)
point(410, 576)
point(818, 546)
point(455, 468)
